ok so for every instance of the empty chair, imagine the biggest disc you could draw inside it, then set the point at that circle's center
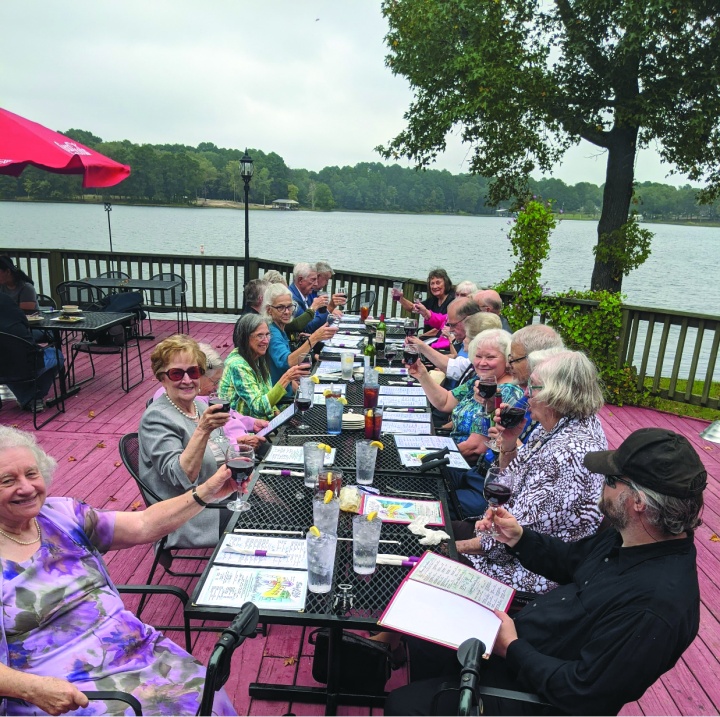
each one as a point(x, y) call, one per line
point(365, 298)
point(46, 302)
point(113, 275)
point(169, 301)
point(82, 294)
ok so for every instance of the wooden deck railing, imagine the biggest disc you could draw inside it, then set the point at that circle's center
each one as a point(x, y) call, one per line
point(664, 346)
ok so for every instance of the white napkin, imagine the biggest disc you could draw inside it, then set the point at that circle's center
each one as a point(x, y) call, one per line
point(429, 537)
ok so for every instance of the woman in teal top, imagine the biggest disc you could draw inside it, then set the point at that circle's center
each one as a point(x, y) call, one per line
point(280, 307)
point(470, 420)
point(246, 377)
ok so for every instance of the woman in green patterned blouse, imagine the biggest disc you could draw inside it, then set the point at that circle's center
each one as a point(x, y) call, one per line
point(246, 377)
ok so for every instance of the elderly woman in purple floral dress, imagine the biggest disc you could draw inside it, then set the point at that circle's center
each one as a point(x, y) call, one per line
point(63, 626)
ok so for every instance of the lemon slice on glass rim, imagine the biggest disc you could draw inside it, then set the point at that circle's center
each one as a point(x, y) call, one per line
point(377, 444)
point(325, 447)
point(329, 495)
point(371, 516)
point(314, 530)
point(315, 378)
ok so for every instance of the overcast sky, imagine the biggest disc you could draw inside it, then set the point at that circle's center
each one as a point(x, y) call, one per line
point(303, 78)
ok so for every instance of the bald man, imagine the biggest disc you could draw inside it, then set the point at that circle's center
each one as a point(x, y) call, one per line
point(490, 301)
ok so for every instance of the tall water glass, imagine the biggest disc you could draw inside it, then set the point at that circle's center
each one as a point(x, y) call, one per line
point(325, 515)
point(334, 412)
point(313, 457)
point(321, 561)
point(365, 458)
point(371, 389)
point(366, 536)
point(347, 359)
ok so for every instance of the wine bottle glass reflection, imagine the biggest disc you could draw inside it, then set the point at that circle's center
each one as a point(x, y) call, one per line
point(240, 460)
point(497, 491)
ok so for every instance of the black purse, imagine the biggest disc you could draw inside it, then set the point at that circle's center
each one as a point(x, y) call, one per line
point(364, 664)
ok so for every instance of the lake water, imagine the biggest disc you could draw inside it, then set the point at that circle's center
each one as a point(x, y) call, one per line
point(403, 245)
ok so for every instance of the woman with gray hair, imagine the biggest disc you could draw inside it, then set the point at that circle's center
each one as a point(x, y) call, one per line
point(553, 492)
point(246, 378)
point(487, 352)
point(281, 357)
point(64, 628)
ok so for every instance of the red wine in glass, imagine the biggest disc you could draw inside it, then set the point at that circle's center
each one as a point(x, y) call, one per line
point(302, 403)
point(241, 468)
point(486, 390)
point(497, 493)
point(218, 401)
point(410, 357)
point(511, 416)
point(390, 353)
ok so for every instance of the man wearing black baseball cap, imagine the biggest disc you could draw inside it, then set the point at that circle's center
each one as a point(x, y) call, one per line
point(628, 604)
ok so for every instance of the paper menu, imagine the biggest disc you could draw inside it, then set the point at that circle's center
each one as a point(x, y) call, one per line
point(293, 455)
point(402, 391)
point(392, 371)
point(402, 510)
point(414, 417)
point(419, 429)
point(434, 442)
point(295, 552)
point(229, 586)
point(343, 341)
point(285, 415)
point(446, 602)
point(330, 367)
point(320, 388)
point(411, 458)
point(414, 401)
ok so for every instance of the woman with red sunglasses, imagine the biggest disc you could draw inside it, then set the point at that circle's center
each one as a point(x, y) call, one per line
point(181, 440)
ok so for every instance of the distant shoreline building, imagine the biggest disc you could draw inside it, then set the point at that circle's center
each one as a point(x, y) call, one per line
point(285, 204)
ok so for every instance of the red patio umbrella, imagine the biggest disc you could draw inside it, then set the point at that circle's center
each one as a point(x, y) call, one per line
point(23, 142)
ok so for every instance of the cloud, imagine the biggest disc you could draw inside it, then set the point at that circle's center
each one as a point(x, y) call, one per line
point(304, 79)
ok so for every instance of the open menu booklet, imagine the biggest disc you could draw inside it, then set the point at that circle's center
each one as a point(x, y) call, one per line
point(445, 602)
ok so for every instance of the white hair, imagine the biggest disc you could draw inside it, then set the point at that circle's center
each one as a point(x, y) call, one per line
point(15, 438)
point(302, 269)
point(465, 288)
point(272, 293)
point(498, 337)
point(213, 359)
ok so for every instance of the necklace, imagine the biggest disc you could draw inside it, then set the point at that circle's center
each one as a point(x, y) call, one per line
point(180, 411)
point(24, 542)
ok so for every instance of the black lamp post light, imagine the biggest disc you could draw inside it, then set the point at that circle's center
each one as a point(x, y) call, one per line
point(246, 172)
point(108, 209)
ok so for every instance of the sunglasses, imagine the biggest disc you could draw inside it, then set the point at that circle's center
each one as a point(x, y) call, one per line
point(511, 361)
point(612, 481)
point(176, 374)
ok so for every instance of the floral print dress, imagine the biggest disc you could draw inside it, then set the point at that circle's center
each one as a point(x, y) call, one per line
point(62, 617)
point(469, 416)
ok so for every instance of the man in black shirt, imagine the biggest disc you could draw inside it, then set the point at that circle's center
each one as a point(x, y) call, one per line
point(628, 604)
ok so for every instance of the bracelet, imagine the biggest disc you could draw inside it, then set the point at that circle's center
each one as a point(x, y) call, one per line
point(197, 498)
point(512, 450)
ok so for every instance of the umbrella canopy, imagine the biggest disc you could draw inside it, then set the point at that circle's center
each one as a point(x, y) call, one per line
point(23, 142)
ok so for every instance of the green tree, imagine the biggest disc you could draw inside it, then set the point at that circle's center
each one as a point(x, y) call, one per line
point(524, 80)
point(323, 197)
point(262, 183)
point(293, 192)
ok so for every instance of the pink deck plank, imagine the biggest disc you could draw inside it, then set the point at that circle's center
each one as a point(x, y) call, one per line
point(690, 688)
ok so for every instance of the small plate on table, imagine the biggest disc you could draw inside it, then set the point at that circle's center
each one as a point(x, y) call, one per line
point(353, 421)
point(36, 319)
point(69, 319)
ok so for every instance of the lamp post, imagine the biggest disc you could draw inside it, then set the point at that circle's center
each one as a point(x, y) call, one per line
point(108, 209)
point(246, 172)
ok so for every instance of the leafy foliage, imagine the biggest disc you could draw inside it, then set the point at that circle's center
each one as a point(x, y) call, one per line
point(530, 241)
point(523, 80)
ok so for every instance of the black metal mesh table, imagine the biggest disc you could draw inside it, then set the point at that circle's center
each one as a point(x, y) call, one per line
point(283, 503)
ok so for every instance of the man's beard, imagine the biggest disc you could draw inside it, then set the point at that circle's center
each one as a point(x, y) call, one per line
point(615, 511)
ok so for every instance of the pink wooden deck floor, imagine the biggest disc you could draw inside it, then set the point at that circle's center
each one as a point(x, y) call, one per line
point(84, 441)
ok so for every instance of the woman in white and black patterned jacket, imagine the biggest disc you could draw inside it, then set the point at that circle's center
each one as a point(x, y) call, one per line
point(553, 491)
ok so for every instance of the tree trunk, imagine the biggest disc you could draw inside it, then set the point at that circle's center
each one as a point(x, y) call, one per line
point(607, 274)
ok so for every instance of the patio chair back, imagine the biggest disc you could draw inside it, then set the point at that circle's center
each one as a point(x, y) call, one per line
point(365, 298)
point(84, 295)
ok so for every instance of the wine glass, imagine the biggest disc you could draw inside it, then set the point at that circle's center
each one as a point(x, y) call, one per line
point(410, 356)
point(417, 298)
point(305, 361)
point(497, 491)
point(332, 320)
point(240, 459)
point(512, 414)
point(410, 327)
point(220, 398)
point(303, 400)
point(343, 290)
point(390, 353)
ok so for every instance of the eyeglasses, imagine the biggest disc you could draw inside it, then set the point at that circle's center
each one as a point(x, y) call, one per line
point(511, 361)
point(452, 324)
point(284, 307)
point(261, 337)
point(612, 481)
point(177, 374)
point(533, 389)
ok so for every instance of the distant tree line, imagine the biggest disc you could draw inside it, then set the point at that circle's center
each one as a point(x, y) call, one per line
point(180, 174)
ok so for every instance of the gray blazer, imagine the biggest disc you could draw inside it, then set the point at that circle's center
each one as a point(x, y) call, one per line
point(163, 435)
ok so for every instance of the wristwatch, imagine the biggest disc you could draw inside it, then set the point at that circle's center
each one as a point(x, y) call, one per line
point(197, 498)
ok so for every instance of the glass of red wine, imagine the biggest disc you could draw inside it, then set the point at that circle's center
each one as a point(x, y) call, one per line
point(410, 327)
point(390, 352)
point(240, 459)
point(303, 401)
point(220, 398)
point(497, 491)
point(512, 414)
point(305, 361)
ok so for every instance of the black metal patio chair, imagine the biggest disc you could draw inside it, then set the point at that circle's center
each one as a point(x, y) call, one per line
point(21, 362)
point(364, 298)
point(168, 301)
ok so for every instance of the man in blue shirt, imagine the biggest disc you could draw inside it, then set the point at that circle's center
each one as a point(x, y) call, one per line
point(304, 293)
